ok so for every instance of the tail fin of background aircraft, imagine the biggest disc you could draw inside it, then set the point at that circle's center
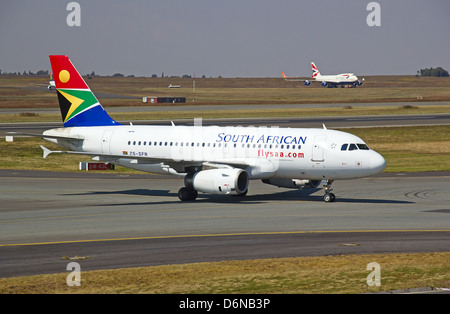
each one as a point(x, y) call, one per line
point(79, 106)
point(315, 70)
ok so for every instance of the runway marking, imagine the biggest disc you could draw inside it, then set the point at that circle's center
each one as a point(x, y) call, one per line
point(217, 235)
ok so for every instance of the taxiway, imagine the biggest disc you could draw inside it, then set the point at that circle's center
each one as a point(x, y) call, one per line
point(135, 220)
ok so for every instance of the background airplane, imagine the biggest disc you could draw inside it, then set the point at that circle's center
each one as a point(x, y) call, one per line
point(51, 84)
point(330, 81)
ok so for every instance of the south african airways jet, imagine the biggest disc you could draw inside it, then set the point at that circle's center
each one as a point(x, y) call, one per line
point(211, 159)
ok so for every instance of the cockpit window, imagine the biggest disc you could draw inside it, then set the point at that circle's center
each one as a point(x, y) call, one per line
point(363, 146)
point(354, 146)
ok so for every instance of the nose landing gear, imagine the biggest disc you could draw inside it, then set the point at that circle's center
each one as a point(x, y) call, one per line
point(329, 197)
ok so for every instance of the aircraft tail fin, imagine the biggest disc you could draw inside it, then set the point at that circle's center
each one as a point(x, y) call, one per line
point(79, 106)
point(315, 70)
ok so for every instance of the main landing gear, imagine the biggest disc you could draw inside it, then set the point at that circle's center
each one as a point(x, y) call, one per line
point(329, 197)
point(187, 194)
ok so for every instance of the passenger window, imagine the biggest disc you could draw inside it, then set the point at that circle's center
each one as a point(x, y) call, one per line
point(353, 147)
point(344, 147)
point(363, 146)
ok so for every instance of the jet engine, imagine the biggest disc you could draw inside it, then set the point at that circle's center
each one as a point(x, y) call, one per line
point(293, 183)
point(218, 181)
point(324, 83)
point(307, 83)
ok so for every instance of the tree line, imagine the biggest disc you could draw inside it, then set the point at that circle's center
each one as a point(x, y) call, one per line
point(438, 72)
point(38, 73)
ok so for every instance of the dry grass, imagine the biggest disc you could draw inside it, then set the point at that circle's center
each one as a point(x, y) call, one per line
point(24, 92)
point(238, 112)
point(329, 274)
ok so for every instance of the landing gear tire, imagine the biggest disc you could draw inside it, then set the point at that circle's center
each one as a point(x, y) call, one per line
point(241, 195)
point(329, 197)
point(187, 194)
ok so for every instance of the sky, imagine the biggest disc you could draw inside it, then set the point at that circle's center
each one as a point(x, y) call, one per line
point(232, 38)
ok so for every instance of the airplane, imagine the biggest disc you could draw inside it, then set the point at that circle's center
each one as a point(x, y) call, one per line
point(330, 81)
point(174, 86)
point(211, 159)
point(51, 84)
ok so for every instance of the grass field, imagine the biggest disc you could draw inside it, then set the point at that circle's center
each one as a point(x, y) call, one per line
point(239, 112)
point(24, 91)
point(318, 275)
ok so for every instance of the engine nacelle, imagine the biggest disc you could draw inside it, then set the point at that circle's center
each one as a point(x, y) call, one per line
point(324, 83)
point(307, 83)
point(218, 181)
point(293, 183)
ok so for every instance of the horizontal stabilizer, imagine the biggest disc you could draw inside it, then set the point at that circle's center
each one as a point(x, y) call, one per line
point(47, 151)
point(79, 138)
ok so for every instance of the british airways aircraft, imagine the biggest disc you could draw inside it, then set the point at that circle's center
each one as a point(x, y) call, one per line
point(211, 159)
point(344, 79)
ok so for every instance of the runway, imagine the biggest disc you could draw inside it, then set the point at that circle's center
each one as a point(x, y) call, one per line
point(114, 221)
point(299, 122)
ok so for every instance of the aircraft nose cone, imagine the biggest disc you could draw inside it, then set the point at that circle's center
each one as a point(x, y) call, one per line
point(377, 163)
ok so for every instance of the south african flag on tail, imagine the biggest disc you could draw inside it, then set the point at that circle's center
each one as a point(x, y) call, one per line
point(79, 106)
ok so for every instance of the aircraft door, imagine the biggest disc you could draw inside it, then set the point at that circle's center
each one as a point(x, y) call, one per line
point(318, 148)
point(106, 141)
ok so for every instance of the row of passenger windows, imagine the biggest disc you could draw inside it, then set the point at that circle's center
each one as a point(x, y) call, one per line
point(187, 144)
point(354, 147)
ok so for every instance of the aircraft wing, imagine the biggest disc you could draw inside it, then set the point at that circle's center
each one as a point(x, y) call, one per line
point(295, 78)
point(176, 165)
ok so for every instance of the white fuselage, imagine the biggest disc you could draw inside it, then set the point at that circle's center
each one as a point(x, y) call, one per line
point(346, 78)
point(263, 152)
